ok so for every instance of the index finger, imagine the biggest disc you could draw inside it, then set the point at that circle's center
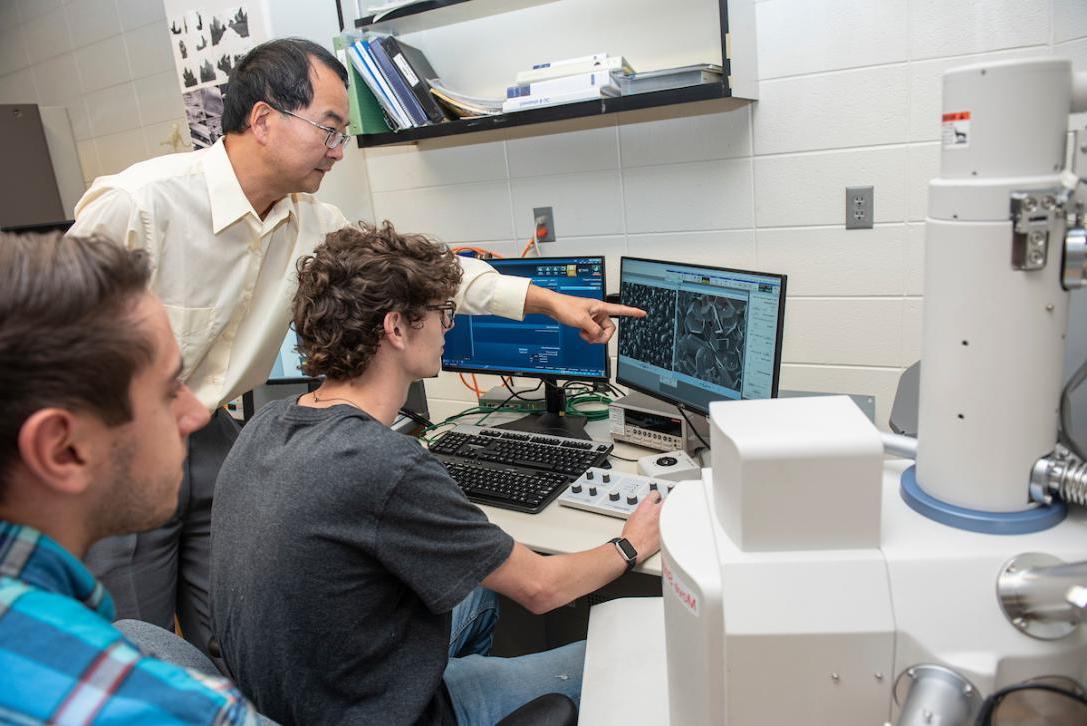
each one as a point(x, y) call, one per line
point(614, 311)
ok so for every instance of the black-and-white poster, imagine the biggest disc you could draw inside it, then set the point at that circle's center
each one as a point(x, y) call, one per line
point(204, 113)
point(207, 44)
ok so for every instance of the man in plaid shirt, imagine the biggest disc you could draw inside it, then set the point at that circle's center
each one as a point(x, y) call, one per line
point(93, 426)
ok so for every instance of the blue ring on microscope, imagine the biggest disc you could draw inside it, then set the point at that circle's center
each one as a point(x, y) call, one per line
point(1026, 521)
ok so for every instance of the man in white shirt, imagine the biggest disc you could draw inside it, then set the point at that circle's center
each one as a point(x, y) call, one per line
point(224, 227)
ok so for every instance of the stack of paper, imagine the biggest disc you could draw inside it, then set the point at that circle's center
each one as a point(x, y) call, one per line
point(463, 105)
point(666, 78)
point(566, 81)
point(573, 66)
point(565, 89)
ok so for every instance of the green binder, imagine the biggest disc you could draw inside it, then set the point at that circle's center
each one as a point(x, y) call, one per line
point(366, 115)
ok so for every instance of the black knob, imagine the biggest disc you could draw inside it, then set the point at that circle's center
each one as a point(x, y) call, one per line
point(632, 499)
point(607, 478)
point(652, 486)
point(666, 461)
point(576, 489)
point(614, 496)
point(592, 491)
point(589, 475)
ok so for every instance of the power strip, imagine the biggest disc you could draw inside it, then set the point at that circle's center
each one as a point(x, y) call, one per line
point(610, 493)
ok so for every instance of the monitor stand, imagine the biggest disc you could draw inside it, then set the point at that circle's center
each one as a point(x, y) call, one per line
point(553, 421)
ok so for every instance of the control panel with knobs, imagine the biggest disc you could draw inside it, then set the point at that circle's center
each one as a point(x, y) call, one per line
point(612, 493)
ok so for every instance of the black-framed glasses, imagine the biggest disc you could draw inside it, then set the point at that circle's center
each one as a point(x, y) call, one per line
point(449, 311)
point(334, 137)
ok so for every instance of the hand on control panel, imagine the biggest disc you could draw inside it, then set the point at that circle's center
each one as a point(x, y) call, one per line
point(643, 527)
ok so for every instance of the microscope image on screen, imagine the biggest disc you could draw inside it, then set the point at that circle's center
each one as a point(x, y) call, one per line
point(710, 333)
point(710, 343)
point(650, 339)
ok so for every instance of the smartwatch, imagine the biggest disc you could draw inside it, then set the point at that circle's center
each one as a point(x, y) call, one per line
point(626, 551)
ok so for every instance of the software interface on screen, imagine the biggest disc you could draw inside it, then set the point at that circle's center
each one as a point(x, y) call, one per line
point(537, 345)
point(288, 365)
point(710, 333)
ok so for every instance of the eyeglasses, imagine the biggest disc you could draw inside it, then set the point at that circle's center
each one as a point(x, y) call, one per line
point(334, 138)
point(448, 309)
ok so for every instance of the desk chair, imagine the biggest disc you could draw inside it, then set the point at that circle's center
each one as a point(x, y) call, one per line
point(164, 645)
point(550, 709)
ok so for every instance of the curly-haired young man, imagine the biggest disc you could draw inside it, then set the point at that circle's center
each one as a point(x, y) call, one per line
point(347, 564)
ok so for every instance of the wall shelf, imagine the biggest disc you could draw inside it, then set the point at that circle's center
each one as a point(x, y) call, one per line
point(582, 109)
point(715, 31)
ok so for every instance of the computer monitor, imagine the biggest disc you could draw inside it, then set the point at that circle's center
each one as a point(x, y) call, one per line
point(711, 333)
point(288, 370)
point(537, 346)
point(288, 366)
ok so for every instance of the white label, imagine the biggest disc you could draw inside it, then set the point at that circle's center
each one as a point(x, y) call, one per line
point(956, 129)
point(617, 419)
point(413, 80)
point(679, 589)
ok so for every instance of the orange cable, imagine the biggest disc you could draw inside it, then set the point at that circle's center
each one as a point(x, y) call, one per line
point(470, 386)
point(530, 245)
point(478, 250)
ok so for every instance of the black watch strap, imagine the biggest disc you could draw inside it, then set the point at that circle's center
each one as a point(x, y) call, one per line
point(626, 551)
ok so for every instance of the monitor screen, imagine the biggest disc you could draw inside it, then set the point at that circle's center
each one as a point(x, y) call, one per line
point(288, 367)
point(711, 333)
point(537, 345)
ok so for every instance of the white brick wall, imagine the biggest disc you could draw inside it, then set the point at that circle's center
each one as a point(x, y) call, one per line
point(849, 95)
point(107, 61)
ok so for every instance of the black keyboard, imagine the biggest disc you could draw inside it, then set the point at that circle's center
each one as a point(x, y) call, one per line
point(515, 470)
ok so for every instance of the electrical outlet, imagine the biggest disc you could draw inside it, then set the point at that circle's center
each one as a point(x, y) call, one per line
point(859, 207)
point(543, 224)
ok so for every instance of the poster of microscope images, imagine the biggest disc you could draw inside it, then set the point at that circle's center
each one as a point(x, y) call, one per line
point(705, 339)
point(206, 45)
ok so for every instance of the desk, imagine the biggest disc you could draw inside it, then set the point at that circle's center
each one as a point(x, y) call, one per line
point(558, 529)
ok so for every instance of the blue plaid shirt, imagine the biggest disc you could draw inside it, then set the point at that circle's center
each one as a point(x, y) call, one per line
point(62, 661)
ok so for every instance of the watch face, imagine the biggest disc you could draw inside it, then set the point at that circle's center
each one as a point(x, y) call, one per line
point(627, 549)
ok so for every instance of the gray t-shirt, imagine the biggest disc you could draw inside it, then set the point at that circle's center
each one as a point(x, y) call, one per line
point(339, 548)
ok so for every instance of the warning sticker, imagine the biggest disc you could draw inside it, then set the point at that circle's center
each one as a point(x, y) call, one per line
point(956, 129)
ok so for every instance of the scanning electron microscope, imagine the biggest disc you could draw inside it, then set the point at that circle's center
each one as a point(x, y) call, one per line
point(809, 580)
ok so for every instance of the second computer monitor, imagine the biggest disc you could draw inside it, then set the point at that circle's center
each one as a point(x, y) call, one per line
point(288, 365)
point(536, 346)
point(711, 333)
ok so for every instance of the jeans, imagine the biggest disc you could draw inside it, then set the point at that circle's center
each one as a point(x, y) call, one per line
point(485, 689)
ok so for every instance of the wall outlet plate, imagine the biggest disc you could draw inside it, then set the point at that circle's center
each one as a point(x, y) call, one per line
point(543, 217)
point(859, 207)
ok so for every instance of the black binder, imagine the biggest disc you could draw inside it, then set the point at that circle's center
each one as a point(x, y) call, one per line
point(403, 54)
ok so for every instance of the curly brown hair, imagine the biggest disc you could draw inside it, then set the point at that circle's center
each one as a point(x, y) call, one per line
point(353, 278)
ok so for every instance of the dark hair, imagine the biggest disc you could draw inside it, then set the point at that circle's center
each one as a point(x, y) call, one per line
point(353, 278)
point(276, 72)
point(67, 337)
